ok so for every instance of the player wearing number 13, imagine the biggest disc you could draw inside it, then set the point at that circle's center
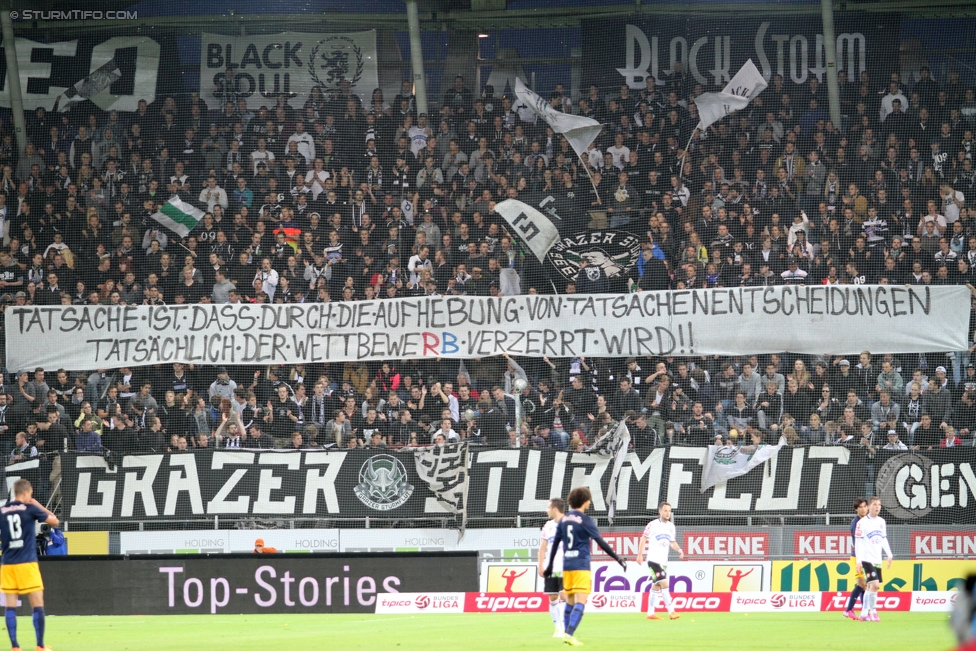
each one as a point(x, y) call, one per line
point(575, 531)
point(19, 574)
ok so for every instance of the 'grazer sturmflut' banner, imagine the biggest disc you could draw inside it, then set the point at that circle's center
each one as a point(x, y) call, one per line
point(810, 319)
point(503, 484)
point(266, 65)
point(712, 50)
point(49, 69)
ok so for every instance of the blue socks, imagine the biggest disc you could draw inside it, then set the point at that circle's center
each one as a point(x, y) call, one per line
point(12, 626)
point(852, 600)
point(567, 614)
point(575, 615)
point(38, 625)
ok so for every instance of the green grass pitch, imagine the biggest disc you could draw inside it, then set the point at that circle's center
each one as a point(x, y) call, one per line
point(472, 632)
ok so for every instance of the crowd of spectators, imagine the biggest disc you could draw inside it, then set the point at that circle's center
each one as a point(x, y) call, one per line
point(566, 404)
point(337, 199)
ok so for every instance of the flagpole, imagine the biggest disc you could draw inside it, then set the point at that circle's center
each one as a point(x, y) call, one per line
point(681, 167)
point(592, 182)
point(193, 253)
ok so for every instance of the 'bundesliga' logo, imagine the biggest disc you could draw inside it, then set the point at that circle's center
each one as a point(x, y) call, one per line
point(383, 483)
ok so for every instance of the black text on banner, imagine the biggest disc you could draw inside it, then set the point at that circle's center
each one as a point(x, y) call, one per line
point(693, 322)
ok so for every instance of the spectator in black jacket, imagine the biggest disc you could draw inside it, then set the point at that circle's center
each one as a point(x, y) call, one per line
point(591, 278)
point(580, 397)
point(964, 415)
point(651, 274)
point(643, 436)
point(937, 402)
point(769, 406)
point(861, 411)
point(843, 378)
point(796, 403)
point(493, 424)
point(258, 438)
point(626, 398)
point(698, 426)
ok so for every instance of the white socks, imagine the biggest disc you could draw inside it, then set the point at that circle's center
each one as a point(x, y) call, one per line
point(556, 609)
point(652, 601)
point(667, 601)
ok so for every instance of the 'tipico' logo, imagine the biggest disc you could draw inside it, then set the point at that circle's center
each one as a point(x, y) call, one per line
point(383, 483)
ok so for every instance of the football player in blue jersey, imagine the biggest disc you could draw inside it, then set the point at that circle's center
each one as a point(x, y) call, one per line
point(19, 573)
point(575, 531)
point(861, 509)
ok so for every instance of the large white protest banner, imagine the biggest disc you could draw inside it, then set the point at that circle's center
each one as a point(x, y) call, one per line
point(839, 319)
point(266, 65)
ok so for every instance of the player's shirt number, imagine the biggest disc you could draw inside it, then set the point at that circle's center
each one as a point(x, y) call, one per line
point(16, 531)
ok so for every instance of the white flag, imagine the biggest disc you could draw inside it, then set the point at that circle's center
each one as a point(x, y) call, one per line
point(723, 462)
point(741, 89)
point(615, 444)
point(712, 107)
point(536, 229)
point(748, 82)
point(578, 130)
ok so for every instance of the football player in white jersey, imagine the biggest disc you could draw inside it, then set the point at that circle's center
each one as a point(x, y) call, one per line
point(870, 539)
point(659, 538)
point(554, 584)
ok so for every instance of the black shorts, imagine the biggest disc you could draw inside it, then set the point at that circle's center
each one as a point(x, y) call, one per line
point(872, 572)
point(658, 572)
point(553, 585)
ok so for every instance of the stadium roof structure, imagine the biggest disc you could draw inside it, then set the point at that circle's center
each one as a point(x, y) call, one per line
point(256, 16)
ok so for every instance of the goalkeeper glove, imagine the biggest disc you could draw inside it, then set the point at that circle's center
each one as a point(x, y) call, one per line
point(623, 563)
point(547, 574)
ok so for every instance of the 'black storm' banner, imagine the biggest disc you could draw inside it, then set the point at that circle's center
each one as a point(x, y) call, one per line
point(711, 51)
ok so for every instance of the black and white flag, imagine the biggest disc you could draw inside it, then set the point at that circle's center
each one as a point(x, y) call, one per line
point(98, 81)
point(445, 470)
point(741, 89)
point(614, 444)
point(535, 229)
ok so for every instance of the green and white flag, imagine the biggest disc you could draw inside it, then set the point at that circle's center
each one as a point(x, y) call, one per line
point(178, 216)
point(723, 462)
